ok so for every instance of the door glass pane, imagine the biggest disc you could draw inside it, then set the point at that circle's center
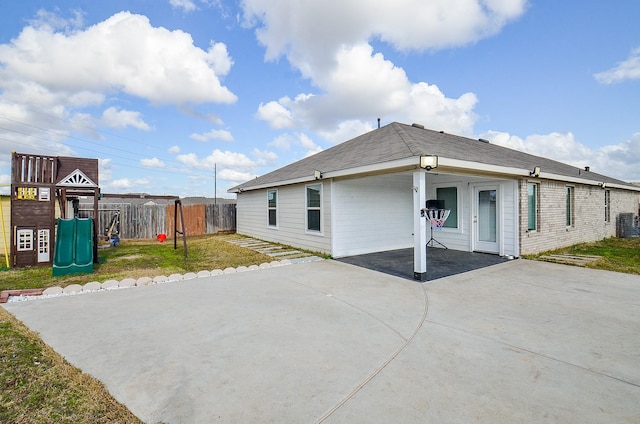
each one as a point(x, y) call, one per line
point(487, 215)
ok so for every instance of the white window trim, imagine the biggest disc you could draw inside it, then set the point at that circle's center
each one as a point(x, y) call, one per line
point(44, 194)
point(307, 208)
point(458, 186)
point(24, 244)
point(273, 227)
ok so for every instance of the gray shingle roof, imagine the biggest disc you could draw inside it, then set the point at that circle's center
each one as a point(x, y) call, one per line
point(400, 141)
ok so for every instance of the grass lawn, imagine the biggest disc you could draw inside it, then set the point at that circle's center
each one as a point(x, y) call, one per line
point(142, 258)
point(621, 255)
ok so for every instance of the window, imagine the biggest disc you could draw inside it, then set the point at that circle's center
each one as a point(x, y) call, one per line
point(449, 198)
point(272, 208)
point(570, 219)
point(25, 240)
point(314, 200)
point(607, 205)
point(44, 195)
point(532, 202)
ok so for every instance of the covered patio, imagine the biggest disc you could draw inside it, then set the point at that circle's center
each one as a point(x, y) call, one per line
point(440, 262)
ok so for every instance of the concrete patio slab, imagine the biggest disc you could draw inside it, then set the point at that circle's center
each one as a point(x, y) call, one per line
point(325, 341)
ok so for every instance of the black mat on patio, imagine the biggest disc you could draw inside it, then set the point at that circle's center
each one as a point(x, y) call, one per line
point(440, 262)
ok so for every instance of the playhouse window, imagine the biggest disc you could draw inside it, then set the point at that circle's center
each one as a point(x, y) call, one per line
point(25, 240)
point(272, 207)
point(314, 202)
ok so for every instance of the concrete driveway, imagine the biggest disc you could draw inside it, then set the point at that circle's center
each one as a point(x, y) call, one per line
point(521, 341)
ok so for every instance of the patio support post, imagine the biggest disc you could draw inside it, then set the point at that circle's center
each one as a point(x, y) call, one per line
point(419, 227)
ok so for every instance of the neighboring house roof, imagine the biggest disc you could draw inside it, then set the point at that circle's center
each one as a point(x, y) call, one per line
point(397, 146)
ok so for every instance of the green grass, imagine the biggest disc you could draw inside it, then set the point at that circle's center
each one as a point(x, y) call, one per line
point(142, 258)
point(617, 254)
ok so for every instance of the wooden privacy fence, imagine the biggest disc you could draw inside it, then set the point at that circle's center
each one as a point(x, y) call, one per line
point(204, 219)
point(138, 221)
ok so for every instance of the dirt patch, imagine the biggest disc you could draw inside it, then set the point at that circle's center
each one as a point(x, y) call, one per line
point(129, 257)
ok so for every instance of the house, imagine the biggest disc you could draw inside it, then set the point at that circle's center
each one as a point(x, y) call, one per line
point(366, 194)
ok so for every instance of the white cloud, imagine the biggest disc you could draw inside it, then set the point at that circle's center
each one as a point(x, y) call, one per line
point(28, 131)
point(127, 184)
point(621, 161)
point(104, 170)
point(123, 53)
point(363, 86)
point(53, 21)
point(120, 118)
point(223, 135)
point(627, 70)
point(276, 114)
point(331, 44)
point(185, 5)
point(174, 149)
point(121, 184)
point(152, 163)
point(346, 130)
point(217, 158)
point(288, 140)
point(265, 157)
point(310, 32)
point(234, 176)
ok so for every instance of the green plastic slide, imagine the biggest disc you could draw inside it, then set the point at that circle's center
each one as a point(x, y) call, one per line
point(73, 252)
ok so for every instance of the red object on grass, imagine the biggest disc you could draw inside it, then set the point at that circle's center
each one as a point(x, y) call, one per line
point(162, 237)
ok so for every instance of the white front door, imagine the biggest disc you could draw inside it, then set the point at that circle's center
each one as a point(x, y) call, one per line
point(43, 246)
point(486, 219)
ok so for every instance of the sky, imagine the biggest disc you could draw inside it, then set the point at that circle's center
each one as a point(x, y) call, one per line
point(190, 97)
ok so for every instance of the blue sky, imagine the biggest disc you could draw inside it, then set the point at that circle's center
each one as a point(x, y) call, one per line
point(161, 91)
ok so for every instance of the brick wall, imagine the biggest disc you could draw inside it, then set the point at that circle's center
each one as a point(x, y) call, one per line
point(589, 211)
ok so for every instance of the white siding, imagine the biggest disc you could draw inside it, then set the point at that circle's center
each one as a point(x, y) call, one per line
point(453, 238)
point(372, 214)
point(460, 238)
point(291, 211)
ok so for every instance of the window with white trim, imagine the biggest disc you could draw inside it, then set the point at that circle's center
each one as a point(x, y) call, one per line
point(272, 208)
point(314, 207)
point(24, 240)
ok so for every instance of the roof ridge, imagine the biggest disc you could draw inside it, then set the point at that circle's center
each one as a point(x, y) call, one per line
point(400, 130)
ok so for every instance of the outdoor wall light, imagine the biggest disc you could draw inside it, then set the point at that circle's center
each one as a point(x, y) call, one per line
point(603, 185)
point(429, 162)
point(317, 174)
point(535, 172)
